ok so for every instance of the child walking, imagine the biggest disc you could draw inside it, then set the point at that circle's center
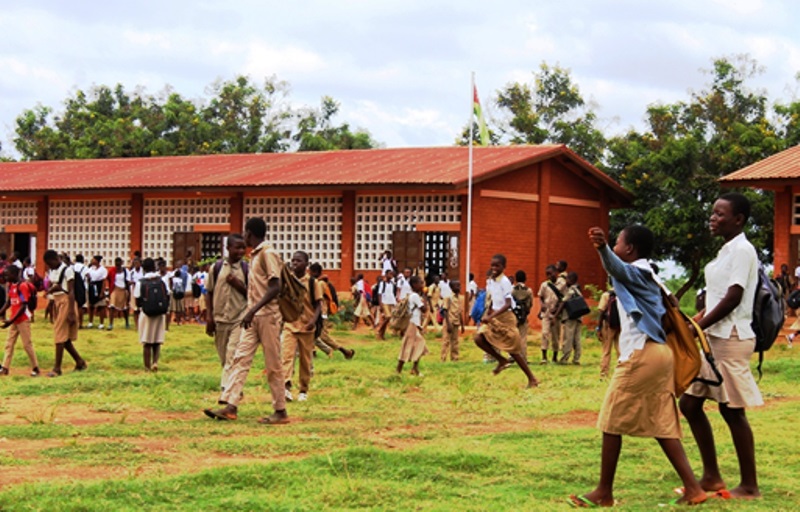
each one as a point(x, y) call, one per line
point(20, 294)
point(640, 400)
point(414, 346)
point(65, 312)
point(453, 323)
point(151, 328)
point(498, 330)
point(571, 328)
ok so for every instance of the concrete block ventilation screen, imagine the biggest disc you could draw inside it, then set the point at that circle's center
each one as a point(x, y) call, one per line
point(377, 217)
point(91, 227)
point(310, 224)
point(164, 217)
point(17, 213)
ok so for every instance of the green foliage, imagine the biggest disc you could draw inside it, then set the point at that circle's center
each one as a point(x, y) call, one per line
point(316, 132)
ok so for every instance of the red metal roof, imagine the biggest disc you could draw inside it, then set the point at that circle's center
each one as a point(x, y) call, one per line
point(438, 166)
point(778, 167)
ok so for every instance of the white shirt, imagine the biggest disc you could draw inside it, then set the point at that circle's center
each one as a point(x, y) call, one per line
point(167, 278)
point(137, 288)
point(387, 265)
point(414, 305)
point(388, 293)
point(403, 287)
point(630, 337)
point(797, 271)
point(499, 290)
point(119, 278)
point(472, 288)
point(360, 285)
point(54, 275)
point(444, 289)
point(136, 275)
point(18, 264)
point(736, 264)
point(27, 273)
point(98, 273)
point(80, 270)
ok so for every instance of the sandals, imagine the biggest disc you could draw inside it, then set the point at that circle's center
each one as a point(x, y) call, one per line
point(274, 419)
point(501, 367)
point(54, 373)
point(220, 414)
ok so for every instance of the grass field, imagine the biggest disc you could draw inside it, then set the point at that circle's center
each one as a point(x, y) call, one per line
point(456, 438)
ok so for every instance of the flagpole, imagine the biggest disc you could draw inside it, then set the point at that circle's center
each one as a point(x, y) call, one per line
point(469, 182)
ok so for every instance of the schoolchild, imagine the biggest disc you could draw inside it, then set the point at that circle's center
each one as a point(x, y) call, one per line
point(608, 328)
point(550, 298)
point(523, 299)
point(150, 328)
point(570, 328)
point(80, 284)
point(65, 311)
point(161, 267)
point(362, 311)
point(498, 330)
point(19, 320)
point(387, 295)
point(452, 312)
point(96, 291)
point(136, 273)
point(329, 303)
point(119, 280)
point(414, 347)
point(640, 400)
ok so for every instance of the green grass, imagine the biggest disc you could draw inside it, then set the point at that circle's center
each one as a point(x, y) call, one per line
point(117, 438)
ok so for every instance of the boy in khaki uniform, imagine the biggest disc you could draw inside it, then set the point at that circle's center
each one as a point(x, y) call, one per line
point(261, 326)
point(298, 336)
point(523, 299)
point(570, 329)
point(227, 303)
point(324, 341)
point(452, 322)
point(550, 297)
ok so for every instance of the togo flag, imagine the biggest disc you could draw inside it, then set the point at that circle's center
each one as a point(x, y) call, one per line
point(476, 106)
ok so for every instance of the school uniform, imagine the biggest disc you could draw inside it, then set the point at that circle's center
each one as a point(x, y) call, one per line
point(265, 265)
point(501, 331)
point(450, 339)
point(571, 331)
point(136, 276)
point(732, 339)
point(95, 276)
point(609, 336)
point(403, 287)
point(640, 400)
point(413, 347)
point(327, 325)
point(19, 293)
point(435, 302)
point(176, 304)
point(551, 324)
point(297, 340)
point(150, 328)
point(523, 297)
point(118, 281)
point(230, 306)
point(63, 331)
point(362, 309)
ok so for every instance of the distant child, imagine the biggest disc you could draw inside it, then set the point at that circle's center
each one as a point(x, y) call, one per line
point(640, 400)
point(151, 328)
point(608, 328)
point(176, 297)
point(523, 299)
point(453, 322)
point(330, 306)
point(571, 328)
point(362, 311)
point(19, 324)
point(414, 342)
point(498, 329)
point(65, 311)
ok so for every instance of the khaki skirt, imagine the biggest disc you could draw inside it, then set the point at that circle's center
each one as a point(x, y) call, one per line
point(414, 346)
point(739, 389)
point(119, 299)
point(502, 333)
point(640, 400)
point(63, 331)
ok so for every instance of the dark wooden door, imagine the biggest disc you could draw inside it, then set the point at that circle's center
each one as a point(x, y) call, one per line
point(186, 244)
point(407, 249)
point(7, 243)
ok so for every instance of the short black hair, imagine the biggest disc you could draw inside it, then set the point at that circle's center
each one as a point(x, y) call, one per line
point(50, 254)
point(562, 264)
point(235, 237)
point(315, 267)
point(117, 261)
point(256, 226)
point(550, 267)
point(301, 253)
point(414, 280)
point(572, 276)
point(640, 237)
point(149, 265)
point(13, 269)
point(177, 273)
point(520, 276)
point(79, 258)
point(501, 258)
point(471, 276)
point(740, 205)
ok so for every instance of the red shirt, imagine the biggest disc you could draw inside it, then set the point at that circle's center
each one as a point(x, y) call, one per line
point(17, 294)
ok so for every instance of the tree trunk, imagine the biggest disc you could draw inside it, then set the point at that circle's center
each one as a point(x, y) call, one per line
point(693, 276)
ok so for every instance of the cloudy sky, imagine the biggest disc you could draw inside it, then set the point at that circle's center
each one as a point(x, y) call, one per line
point(400, 69)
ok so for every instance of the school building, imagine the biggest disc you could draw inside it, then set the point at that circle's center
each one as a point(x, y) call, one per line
point(532, 203)
point(779, 173)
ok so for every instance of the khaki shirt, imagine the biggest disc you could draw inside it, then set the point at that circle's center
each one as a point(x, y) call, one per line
point(229, 304)
point(548, 297)
point(265, 264)
point(453, 306)
point(309, 306)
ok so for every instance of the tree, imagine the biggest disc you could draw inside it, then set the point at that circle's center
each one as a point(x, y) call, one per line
point(316, 132)
point(673, 167)
point(551, 110)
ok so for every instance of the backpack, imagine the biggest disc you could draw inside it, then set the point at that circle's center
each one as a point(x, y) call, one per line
point(401, 316)
point(373, 298)
point(94, 290)
point(479, 307)
point(576, 307)
point(522, 304)
point(290, 297)
point(793, 300)
point(612, 312)
point(79, 288)
point(330, 293)
point(686, 350)
point(154, 299)
point(768, 314)
point(33, 299)
point(177, 290)
point(37, 281)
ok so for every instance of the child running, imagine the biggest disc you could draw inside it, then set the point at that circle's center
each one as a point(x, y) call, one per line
point(20, 293)
point(640, 401)
point(151, 328)
point(414, 346)
point(453, 322)
point(498, 330)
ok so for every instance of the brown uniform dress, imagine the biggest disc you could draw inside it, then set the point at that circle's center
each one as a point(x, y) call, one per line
point(63, 331)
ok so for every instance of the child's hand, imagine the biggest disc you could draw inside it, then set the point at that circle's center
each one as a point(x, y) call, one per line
point(597, 237)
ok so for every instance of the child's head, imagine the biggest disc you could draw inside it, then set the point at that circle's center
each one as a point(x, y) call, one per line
point(561, 265)
point(455, 285)
point(436, 278)
point(315, 270)
point(96, 259)
point(498, 265)
point(389, 275)
point(177, 274)
point(359, 277)
point(118, 262)
point(572, 278)
point(471, 276)
point(416, 283)
point(236, 247)
point(149, 265)
point(11, 274)
point(299, 262)
point(51, 259)
point(634, 242)
point(520, 276)
point(551, 272)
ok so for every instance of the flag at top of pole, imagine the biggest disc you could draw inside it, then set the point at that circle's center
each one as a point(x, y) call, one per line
point(476, 107)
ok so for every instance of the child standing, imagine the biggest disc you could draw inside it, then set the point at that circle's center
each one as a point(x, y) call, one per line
point(19, 295)
point(451, 312)
point(414, 346)
point(523, 299)
point(65, 311)
point(151, 328)
point(571, 328)
point(498, 329)
point(640, 400)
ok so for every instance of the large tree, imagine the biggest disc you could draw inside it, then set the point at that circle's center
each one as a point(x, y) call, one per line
point(673, 167)
point(317, 132)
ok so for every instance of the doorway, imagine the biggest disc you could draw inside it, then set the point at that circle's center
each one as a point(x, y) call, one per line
point(431, 252)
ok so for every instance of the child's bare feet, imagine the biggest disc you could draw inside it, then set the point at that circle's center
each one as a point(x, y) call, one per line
point(532, 384)
point(502, 365)
point(741, 493)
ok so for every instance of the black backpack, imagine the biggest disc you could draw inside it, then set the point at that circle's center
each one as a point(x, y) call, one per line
point(612, 312)
point(33, 300)
point(768, 314)
point(154, 297)
point(79, 287)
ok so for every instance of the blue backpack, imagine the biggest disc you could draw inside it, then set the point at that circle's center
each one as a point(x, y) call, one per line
point(479, 307)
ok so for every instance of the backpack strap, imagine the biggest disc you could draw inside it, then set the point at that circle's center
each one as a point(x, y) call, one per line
point(555, 290)
point(217, 268)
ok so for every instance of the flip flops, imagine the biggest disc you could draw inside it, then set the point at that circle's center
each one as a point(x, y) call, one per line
point(581, 502)
point(219, 415)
